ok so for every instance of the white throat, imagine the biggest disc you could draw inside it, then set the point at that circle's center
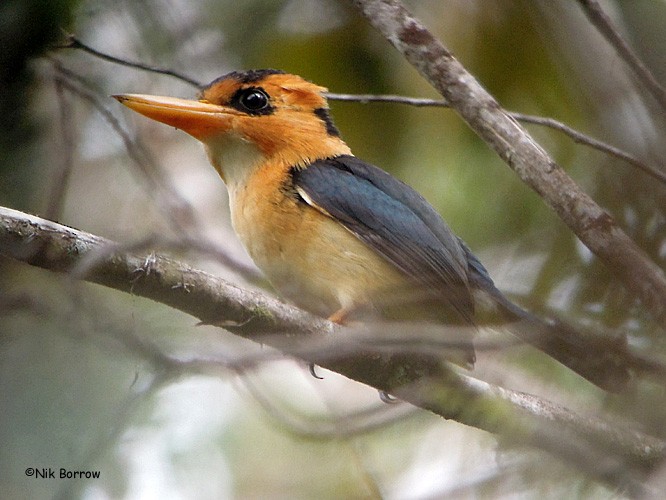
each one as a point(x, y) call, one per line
point(235, 158)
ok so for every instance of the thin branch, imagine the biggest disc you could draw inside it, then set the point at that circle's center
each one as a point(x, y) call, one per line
point(168, 198)
point(612, 453)
point(603, 23)
point(164, 193)
point(390, 98)
point(60, 183)
point(184, 242)
point(72, 42)
point(593, 225)
point(578, 137)
point(338, 427)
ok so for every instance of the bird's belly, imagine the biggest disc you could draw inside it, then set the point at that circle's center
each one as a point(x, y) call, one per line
point(311, 259)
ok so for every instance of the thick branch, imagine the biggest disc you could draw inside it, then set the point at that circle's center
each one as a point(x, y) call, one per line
point(595, 227)
point(617, 454)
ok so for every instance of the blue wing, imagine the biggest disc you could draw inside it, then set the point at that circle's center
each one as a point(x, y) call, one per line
point(398, 223)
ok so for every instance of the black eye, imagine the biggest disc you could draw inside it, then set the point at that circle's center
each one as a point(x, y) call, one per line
point(253, 100)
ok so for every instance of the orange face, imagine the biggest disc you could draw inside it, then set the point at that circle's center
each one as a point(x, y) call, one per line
point(280, 114)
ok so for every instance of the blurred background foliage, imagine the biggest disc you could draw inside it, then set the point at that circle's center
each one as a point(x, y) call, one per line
point(75, 395)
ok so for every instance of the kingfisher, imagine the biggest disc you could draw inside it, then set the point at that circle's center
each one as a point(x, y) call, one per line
point(340, 237)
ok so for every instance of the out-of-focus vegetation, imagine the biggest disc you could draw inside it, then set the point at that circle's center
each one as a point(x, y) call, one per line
point(27, 29)
point(75, 396)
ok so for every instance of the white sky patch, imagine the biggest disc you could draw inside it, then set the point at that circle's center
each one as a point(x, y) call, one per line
point(171, 454)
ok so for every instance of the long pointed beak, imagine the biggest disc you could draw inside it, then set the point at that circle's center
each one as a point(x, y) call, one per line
point(197, 118)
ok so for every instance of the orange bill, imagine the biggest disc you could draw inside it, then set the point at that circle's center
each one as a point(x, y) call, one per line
point(197, 118)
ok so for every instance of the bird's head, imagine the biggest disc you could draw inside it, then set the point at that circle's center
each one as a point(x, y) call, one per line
point(251, 118)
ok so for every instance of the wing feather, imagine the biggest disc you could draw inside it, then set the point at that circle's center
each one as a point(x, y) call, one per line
point(394, 220)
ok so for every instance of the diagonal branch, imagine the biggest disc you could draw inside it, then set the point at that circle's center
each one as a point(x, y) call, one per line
point(588, 140)
point(74, 43)
point(611, 453)
point(603, 23)
point(577, 137)
point(71, 42)
point(594, 226)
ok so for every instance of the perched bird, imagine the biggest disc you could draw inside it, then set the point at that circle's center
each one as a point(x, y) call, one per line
point(338, 236)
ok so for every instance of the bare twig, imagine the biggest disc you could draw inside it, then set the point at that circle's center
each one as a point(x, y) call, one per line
point(390, 98)
point(603, 23)
point(578, 137)
point(58, 187)
point(168, 198)
point(72, 42)
point(343, 426)
point(611, 453)
point(594, 226)
point(183, 242)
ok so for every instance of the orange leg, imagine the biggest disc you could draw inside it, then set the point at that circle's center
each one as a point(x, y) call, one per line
point(340, 316)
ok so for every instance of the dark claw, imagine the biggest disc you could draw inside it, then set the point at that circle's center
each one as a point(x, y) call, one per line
point(387, 398)
point(311, 367)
